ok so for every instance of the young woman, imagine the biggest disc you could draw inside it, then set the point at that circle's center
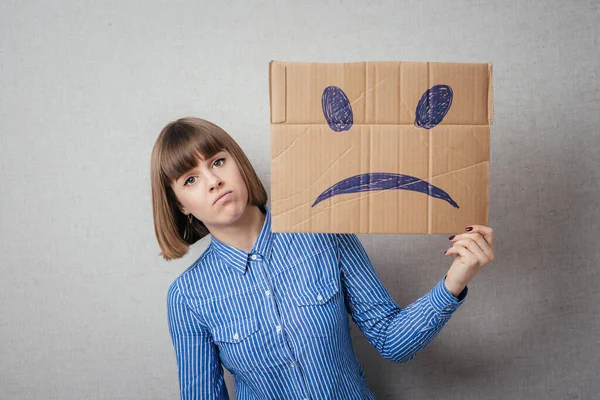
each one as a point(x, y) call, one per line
point(273, 308)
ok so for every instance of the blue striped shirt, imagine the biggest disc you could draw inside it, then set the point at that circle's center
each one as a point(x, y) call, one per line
point(277, 318)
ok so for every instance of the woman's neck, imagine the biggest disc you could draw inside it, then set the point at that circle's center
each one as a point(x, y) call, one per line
point(243, 233)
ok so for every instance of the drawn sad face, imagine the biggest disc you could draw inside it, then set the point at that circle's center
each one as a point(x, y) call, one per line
point(430, 111)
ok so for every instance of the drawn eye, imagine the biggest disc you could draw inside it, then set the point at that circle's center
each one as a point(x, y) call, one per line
point(433, 106)
point(337, 109)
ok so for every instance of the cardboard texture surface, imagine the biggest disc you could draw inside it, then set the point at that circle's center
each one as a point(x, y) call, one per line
point(379, 147)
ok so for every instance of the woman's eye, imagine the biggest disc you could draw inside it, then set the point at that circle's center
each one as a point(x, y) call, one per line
point(192, 177)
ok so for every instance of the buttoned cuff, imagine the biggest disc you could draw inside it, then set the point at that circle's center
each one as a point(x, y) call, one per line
point(443, 301)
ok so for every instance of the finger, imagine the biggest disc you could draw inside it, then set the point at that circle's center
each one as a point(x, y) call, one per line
point(459, 249)
point(474, 248)
point(454, 250)
point(460, 236)
point(476, 235)
point(481, 242)
point(485, 231)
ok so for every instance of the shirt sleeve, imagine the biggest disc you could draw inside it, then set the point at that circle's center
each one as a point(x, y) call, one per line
point(397, 334)
point(199, 369)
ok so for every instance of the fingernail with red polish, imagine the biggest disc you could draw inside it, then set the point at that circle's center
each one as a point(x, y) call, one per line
point(469, 228)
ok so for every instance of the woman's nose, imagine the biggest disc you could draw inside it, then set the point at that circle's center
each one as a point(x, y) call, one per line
point(214, 181)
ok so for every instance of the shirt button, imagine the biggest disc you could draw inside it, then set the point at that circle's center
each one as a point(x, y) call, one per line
point(319, 297)
point(267, 293)
point(448, 309)
point(236, 336)
point(293, 364)
point(278, 328)
point(253, 256)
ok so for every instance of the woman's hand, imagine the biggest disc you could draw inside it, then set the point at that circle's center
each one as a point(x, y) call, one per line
point(474, 250)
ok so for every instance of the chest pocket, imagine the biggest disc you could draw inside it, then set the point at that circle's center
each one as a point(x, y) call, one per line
point(319, 307)
point(317, 293)
point(240, 345)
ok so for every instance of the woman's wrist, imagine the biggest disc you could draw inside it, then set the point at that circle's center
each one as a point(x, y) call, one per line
point(453, 287)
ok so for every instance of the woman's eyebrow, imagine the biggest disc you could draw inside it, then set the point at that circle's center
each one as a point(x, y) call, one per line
point(208, 159)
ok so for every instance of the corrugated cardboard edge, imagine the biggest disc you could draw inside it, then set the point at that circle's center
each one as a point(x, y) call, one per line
point(490, 95)
point(490, 121)
point(277, 91)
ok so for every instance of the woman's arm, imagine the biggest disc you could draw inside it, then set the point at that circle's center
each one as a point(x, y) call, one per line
point(199, 370)
point(397, 334)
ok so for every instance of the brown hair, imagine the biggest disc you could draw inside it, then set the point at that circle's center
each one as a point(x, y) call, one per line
point(177, 149)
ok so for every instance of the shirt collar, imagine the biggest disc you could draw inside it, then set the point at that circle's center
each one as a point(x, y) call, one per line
point(238, 259)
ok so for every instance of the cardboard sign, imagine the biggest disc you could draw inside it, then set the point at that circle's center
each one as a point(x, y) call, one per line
point(379, 147)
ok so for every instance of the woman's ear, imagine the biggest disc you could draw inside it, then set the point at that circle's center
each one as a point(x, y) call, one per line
point(180, 207)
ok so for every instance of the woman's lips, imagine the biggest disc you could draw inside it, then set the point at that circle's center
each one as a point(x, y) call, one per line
point(225, 197)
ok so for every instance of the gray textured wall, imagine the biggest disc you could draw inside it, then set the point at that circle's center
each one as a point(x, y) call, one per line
point(86, 87)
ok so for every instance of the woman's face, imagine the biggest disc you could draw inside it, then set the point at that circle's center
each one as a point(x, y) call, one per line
point(199, 191)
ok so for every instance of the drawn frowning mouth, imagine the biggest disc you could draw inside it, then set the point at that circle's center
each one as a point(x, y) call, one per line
point(383, 181)
point(431, 109)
